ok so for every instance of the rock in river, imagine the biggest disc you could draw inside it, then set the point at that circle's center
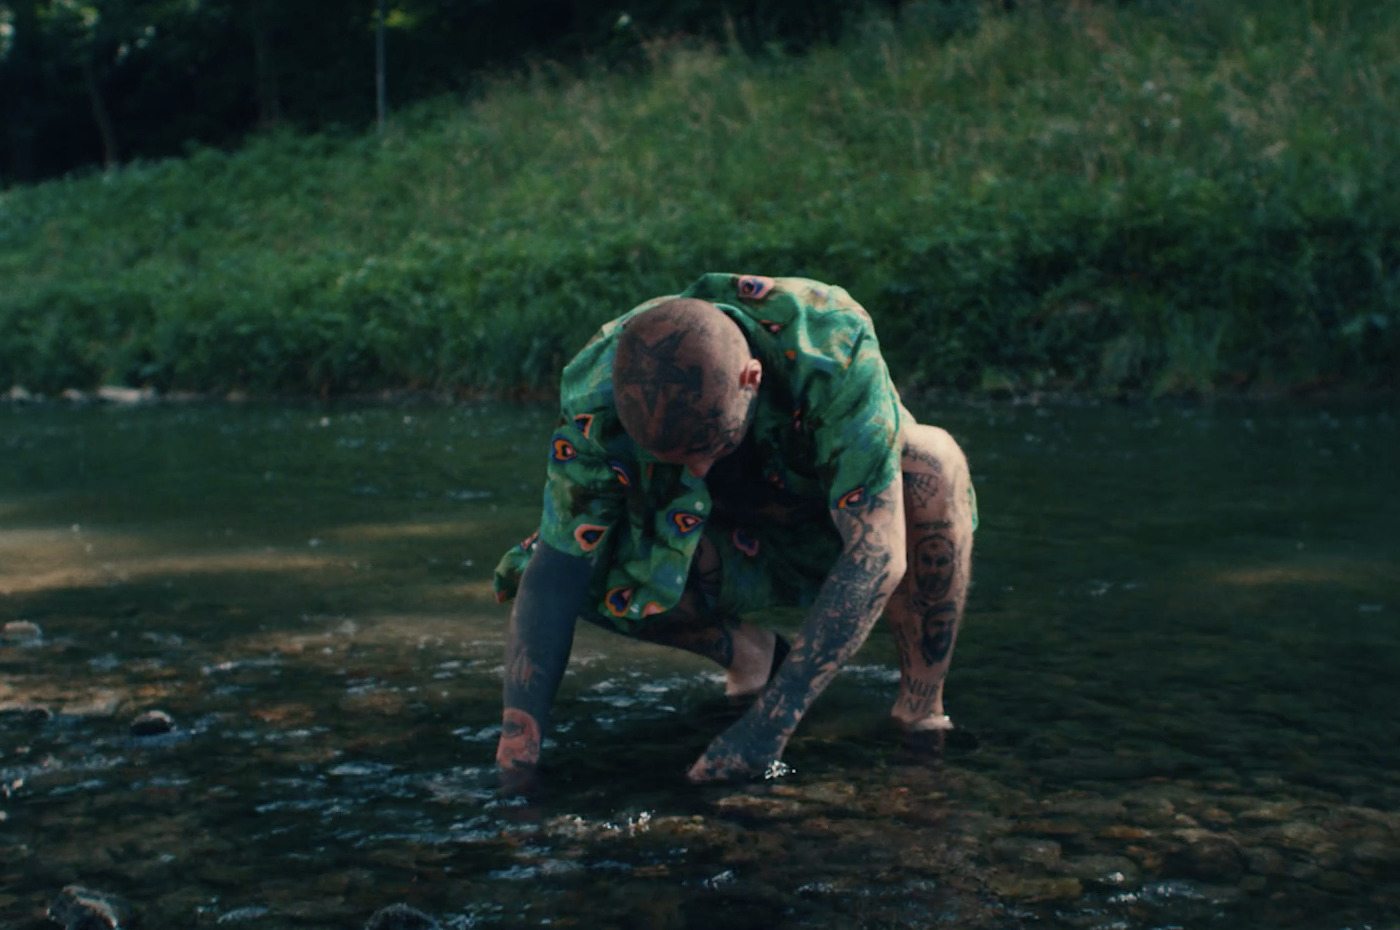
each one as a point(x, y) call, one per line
point(79, 908)
point(152, 723)
point(21, 633)
point(400, 917)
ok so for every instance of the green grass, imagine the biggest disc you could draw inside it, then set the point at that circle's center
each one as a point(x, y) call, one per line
point(1144, 198)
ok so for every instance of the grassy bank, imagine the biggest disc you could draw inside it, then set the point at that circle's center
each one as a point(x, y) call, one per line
point(1158, 198)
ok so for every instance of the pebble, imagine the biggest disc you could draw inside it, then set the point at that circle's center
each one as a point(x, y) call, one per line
point(152, 723)
point(400, 917)
point(79, 908)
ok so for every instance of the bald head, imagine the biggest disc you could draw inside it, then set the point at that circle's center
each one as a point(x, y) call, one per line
point(684, 380)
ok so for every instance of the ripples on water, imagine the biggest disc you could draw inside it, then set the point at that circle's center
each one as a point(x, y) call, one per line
point(1175, 691)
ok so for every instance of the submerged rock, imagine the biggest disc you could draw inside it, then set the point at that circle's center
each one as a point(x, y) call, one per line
point(1210, 857)
point(21, 633)
point(32, 714)
point(79, 908)
point(401, 917)
point(1021, 888)
point(152, 723)
point(1031, 851)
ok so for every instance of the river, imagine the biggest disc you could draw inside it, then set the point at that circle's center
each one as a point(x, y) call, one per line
point(251, 665)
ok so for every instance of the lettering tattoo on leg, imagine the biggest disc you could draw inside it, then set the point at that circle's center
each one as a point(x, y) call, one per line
point(919, 694)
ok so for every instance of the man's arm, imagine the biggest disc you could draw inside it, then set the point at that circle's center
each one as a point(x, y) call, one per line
point(865, 574)
point(538, 643)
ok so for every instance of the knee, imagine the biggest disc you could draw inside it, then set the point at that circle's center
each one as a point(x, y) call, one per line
point(933, 449)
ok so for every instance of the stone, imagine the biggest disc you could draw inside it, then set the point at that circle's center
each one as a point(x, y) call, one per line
point(1209, 857)
point(401, 918)
point(1021, 888)
point(1339, 882)
point(1296, 834)
point(1377, 854)
point(1262, 860)
point(152, 723)
point(1027, 850)
point(31, 714)
point(79, 908)
point(1088, 808)
point(21, 633)
point(1103, 871)
point(117, 394)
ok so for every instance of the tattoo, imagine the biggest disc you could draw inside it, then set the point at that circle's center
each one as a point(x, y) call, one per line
point(713, 640)
point(520, 739)
point(939, 626)
point(653, 369)
point(919, 694)
point(519, 671)
point(848, 605)
point(691, 627)
point(922, 485)
point(935, 561)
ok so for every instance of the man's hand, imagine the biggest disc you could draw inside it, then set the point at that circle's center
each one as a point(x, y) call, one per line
point(870, 566)
point(538, 643)
point(743, 751)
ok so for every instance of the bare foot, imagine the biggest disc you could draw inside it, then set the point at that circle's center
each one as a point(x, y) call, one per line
point(925, 724)
point(757, 655)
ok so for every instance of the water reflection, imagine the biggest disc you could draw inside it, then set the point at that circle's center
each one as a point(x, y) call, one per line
point(1175, 689)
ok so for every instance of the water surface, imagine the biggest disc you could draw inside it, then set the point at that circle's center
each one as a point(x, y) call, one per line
point(1176, 688)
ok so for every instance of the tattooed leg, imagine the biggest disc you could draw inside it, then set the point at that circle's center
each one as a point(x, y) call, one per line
point(927, 607)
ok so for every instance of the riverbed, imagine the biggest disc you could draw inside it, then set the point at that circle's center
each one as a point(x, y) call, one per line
point(251, 666)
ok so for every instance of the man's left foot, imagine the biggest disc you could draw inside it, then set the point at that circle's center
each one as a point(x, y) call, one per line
point(926, 724)
point(781, 648)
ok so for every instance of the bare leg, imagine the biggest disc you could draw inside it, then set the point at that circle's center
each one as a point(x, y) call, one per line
point(927, 607)
point(743, 650)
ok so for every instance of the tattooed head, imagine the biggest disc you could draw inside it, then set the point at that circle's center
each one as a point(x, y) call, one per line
point(684, 380)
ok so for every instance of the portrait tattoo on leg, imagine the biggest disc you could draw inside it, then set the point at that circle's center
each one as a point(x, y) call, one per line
point(520, 739)
point(935, 561)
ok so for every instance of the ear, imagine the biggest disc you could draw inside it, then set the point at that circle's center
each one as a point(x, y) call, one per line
point(751, 375)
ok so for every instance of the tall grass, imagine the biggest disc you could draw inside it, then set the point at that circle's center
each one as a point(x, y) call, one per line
point(1158, 198)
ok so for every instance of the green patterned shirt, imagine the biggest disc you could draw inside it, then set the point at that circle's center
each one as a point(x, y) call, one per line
point(825, 431)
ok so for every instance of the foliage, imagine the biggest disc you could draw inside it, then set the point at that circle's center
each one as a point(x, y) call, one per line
point(1152, 198)
point(88, 82)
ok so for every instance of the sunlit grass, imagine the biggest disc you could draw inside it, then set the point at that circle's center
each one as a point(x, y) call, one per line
point(1158, 198)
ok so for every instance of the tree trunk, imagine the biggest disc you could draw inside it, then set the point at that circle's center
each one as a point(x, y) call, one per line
point(101, 115)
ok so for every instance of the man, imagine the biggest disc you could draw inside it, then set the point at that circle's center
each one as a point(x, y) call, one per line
point(736, 447)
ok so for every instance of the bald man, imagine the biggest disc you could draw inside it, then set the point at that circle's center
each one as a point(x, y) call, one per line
point(737, 447)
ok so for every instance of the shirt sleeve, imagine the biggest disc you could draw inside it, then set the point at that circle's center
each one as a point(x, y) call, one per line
point(583, 500)
point(854, 418)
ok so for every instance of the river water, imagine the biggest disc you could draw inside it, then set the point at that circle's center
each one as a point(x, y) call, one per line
point(1176, 690)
